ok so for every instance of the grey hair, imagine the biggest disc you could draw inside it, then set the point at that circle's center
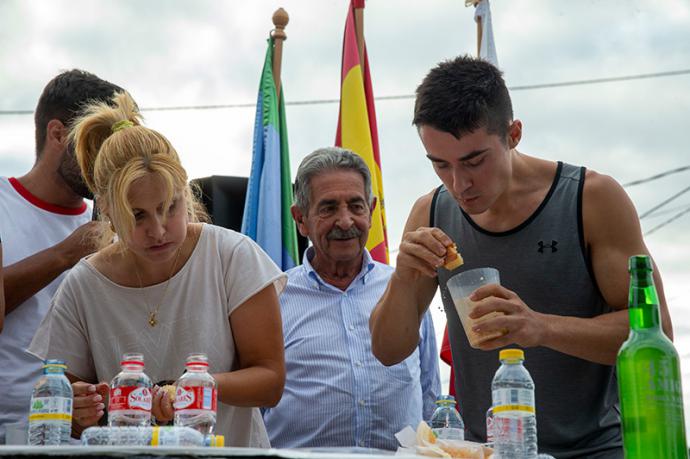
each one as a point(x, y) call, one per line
point(328, 159)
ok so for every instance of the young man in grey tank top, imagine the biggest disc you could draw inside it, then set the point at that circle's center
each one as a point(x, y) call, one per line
point(560, 236)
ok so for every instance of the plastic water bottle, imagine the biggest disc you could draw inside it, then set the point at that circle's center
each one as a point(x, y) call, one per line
point(130, 394)
point(490, 426)
point(446, 422)
point(148, 436)
point(50, 414)
point(515, 423)
point(196, 397)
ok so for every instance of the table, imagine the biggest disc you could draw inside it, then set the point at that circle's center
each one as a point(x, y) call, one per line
point(153, 452)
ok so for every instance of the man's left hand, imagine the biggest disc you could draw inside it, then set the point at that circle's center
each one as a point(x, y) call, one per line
point(519, 324)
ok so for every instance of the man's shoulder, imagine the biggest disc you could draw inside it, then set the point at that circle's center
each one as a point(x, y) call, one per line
point(295, 272)
point(383, 269)
point(297, 283)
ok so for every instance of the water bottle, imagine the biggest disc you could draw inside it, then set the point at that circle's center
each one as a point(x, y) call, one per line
point(196, 397)
point(515, 423)
point(130, 394)
point(490, 426)
point(148, 436)
point(446, 422)
point(50, 414)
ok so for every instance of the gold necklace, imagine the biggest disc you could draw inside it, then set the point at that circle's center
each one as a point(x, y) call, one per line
point(153, 313)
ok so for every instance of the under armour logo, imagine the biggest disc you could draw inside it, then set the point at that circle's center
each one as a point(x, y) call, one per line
point(551, 246)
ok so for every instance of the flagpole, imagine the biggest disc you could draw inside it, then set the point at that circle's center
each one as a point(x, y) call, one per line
point(359, 30)
point(479, 37)
point(479, 27)
point(280, 20)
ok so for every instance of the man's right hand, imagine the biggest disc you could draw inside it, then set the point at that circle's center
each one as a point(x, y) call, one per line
point(27, 277)
point(421, 252)
point(82, 242)
point(394, 322)
point(89, 403)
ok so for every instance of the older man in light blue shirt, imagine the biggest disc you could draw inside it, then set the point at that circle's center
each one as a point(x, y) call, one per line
point(336, 392)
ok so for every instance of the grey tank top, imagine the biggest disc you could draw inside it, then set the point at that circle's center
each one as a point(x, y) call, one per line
point(545, 262)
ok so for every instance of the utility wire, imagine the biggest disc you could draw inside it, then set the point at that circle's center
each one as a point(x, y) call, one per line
point(664, 202)
point(670, 220)
point(668, 211)
point(640, 76)
point(657, 176)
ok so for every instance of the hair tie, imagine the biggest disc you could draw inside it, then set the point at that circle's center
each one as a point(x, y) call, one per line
point(120, 125)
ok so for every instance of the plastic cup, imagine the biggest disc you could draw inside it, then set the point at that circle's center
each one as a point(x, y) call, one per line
point(17, 433)
point(461, 286)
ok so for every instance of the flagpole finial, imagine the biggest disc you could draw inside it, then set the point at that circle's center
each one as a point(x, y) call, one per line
point(280, 20)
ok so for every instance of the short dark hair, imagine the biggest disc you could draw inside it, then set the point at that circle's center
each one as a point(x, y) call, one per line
point(461, 95)
point(63, 98)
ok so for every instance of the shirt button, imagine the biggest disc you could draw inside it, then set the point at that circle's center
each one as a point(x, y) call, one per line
point(359, 363)
point(351, 327)
point(361, 443)
point(362, 402)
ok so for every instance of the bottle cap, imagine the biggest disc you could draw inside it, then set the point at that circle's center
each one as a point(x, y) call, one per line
point(216, 441)
point(445, 400)
point(197, 359)
point(54, 363)
point(132, 358)
point(639, 263)
point(511, 354)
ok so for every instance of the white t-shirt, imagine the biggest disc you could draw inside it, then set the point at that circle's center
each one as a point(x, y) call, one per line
point(93, 321)
point(27, 226)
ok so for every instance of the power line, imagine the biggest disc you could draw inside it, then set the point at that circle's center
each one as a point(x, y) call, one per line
point(657, 176)
point(640, 76)
point(670, 220)
point(592, 81)
point(664, 202)
point(669, 211)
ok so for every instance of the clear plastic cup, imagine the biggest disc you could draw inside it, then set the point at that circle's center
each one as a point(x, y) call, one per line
point(461, 286)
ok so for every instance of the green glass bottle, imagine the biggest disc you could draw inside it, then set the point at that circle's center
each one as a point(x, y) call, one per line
point(649, 383)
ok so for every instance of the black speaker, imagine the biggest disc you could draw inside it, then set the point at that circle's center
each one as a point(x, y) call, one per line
point(224, 196)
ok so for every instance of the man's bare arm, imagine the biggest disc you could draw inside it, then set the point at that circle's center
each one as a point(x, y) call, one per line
point(395, 320)
point(27, 277)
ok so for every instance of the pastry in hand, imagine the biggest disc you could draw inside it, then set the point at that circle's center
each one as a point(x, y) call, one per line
point(171, 390)
point(453, 259)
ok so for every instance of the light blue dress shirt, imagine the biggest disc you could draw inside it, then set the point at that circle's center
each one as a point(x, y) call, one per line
point(336, 392)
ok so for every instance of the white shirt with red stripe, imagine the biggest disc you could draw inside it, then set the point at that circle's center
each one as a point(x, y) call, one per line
point(27, 225)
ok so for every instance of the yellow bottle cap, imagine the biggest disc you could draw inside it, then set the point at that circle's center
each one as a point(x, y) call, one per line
point(511, 354)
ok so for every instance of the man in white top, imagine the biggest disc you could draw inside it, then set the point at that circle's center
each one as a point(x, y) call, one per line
point(45, 228)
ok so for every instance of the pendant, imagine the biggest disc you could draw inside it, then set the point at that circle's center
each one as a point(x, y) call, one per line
point(152, 319)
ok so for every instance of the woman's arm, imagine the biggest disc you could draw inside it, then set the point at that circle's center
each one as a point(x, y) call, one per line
point(258, 333)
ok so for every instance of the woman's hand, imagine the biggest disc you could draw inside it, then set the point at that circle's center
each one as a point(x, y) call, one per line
point(89, 401)
point(161, 405)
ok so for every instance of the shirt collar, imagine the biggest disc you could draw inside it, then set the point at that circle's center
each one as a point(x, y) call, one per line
point(317, 282)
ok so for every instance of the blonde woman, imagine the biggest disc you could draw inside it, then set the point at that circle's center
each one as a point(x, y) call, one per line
point(167, 287)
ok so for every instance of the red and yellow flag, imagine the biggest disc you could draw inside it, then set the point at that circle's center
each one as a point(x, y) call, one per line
point(357, 126)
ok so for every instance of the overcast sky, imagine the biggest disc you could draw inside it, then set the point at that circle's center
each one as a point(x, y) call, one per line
point(184, 53)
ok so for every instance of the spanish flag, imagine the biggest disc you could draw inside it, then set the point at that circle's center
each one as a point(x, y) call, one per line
point(357, 126)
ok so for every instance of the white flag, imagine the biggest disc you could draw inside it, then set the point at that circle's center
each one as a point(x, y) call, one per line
point(487, 48)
